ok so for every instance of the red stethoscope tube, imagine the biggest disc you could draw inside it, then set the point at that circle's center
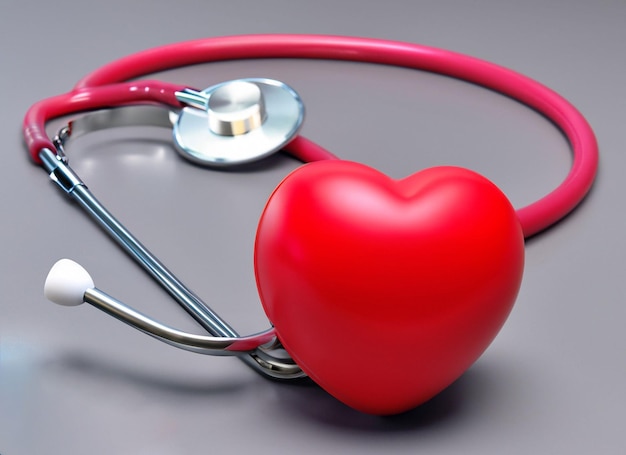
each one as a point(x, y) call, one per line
point(90, 99)
point(102, 88)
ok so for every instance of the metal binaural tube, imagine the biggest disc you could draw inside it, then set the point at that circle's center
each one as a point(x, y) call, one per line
point(260, 360)
point(187, 299)
point(183, 340)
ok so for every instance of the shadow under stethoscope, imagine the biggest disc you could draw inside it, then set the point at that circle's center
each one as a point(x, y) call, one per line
point(111, 373)
point(463, 399)
point(305, 400)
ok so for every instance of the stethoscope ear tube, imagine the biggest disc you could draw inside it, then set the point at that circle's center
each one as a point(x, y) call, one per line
point(69, 284)
point(260, 356)
point(277, 368)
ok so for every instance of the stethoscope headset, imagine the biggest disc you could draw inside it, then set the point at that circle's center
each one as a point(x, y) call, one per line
point(423, 271)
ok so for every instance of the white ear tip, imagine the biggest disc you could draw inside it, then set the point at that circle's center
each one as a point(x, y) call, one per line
point(67, 282)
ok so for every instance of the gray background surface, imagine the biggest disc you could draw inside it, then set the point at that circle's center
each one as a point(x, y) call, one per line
point(76, 381)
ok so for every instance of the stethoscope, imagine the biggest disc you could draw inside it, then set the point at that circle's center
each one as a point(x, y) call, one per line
point(447, 216)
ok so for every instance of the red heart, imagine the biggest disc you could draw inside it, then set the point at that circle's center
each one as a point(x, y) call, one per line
point(385, 291)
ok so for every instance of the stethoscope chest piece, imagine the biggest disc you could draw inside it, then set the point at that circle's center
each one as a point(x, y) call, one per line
point(237, 122)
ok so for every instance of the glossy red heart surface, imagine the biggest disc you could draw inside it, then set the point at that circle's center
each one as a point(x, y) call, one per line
point(385, 291)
